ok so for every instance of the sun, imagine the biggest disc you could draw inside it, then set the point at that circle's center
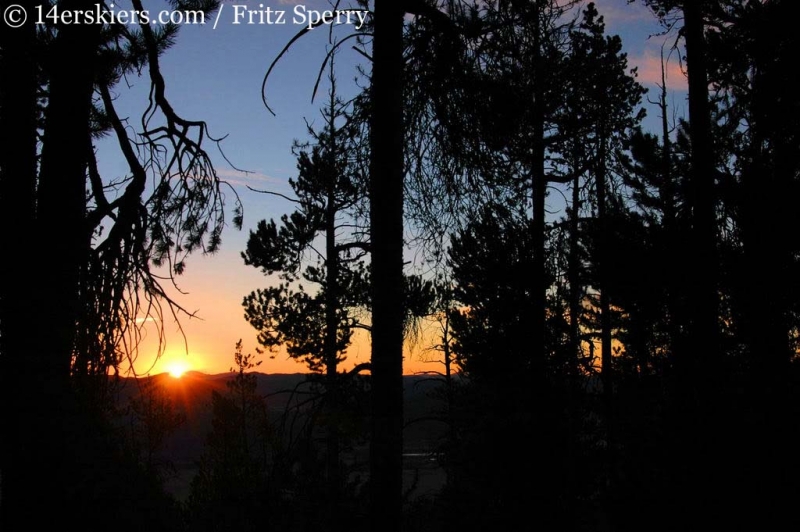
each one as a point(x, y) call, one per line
point(176, 368)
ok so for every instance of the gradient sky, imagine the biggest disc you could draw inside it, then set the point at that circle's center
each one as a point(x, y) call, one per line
point(216, 75)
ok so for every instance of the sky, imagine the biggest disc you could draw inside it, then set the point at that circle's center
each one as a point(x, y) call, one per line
point(215, 75)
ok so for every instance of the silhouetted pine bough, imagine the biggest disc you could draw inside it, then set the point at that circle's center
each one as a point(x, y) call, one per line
point(631, 365)
point(91, 245)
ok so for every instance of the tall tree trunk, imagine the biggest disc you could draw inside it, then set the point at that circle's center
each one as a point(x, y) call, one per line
point(539, 192)
point(704, 328)
point(667, 188)
point(63, 240)
point(386, 221)
point(699, 362)
point(331, 317)
point(540, 418)
point(18, 113)
point(770, 187)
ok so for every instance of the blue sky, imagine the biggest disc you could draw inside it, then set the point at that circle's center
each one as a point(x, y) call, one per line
point(215, 75)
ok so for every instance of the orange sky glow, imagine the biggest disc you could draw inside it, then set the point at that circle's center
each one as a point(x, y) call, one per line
point(213, 289)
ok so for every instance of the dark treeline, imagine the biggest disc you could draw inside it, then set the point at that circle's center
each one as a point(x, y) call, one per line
point(627, 363)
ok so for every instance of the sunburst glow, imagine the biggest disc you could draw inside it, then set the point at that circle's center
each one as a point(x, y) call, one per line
point(177, 368)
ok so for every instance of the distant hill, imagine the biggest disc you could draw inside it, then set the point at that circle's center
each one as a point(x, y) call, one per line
point(190, 396)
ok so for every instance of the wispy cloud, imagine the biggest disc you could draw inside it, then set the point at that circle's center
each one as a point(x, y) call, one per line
point(649, 65)
point(246, 178)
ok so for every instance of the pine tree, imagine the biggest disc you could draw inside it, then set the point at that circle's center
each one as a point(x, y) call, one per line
point(231, 491)
point(317, 325)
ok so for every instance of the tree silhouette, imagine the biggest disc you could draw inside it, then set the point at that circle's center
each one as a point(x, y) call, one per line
point(91, 240)
point(657, 222)
point(389, 292)
point(496, 421)
point(655, 171)
point(386, 233)
point(754, 130)
point(152, 419)
point(699, 366)
point(490, 261)
point(479, 132)
point(603, 111)
point(317, 325)
point(232, 488)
